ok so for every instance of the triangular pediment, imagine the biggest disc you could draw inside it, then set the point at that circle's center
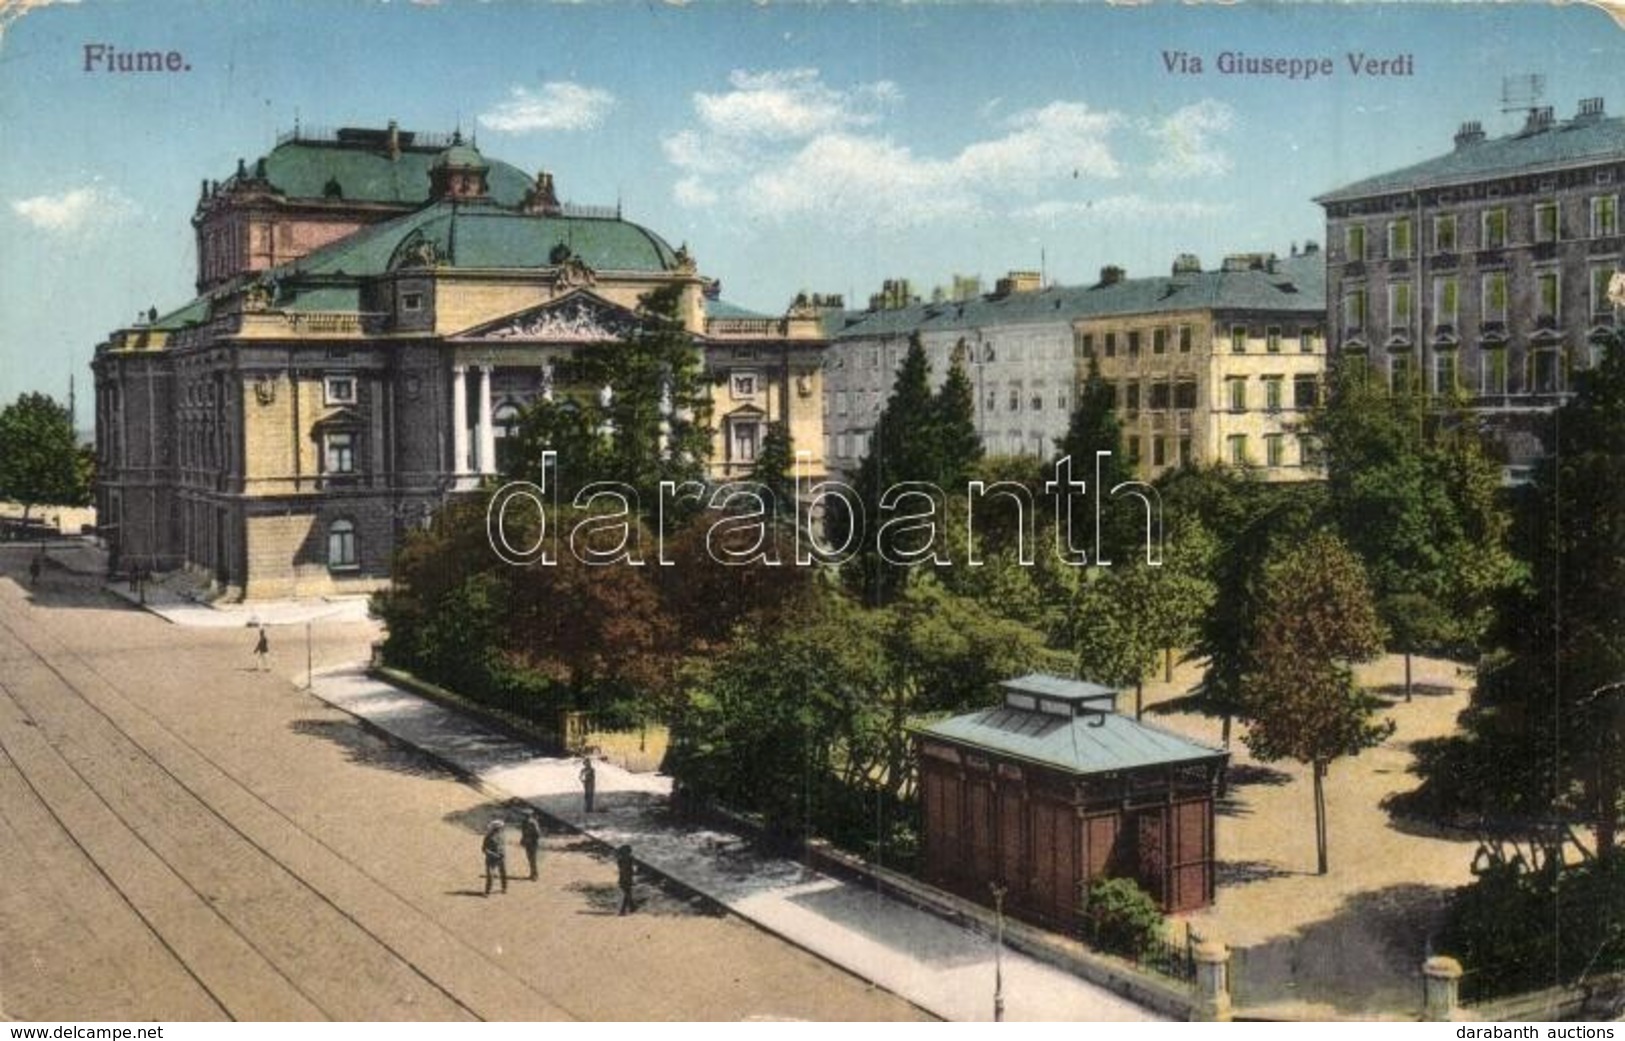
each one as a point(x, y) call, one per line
point(579, 317)
point(340, 418)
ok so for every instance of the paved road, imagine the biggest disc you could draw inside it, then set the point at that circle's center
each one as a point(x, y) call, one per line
point(182, 837)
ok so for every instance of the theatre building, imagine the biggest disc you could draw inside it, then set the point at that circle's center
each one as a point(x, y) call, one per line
point(1052, 789)
point(376, 309)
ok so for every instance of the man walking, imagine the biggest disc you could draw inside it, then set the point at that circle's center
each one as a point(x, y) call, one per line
point(625, 867)
point(496, 855)
point(262, 650)
point(589, 780)
point(530, 837)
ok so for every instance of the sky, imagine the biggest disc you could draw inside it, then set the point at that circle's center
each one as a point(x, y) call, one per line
point(792, 146)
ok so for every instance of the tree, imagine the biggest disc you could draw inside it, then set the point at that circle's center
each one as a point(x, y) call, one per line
point(1316, 617)
point(774, 469)
point(636, 411)
point(1093, 428)
point(39, 454)
point(957, 445)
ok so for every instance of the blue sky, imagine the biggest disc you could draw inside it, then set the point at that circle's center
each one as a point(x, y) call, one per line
point(792, 146)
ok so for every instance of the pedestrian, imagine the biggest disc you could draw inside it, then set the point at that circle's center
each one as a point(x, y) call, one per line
point(262, 650)
point(530, 837)
point(495, 849)
point(589, 780)
point(625, 866)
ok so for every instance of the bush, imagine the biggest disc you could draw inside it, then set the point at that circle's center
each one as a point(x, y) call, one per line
point(1121, 917)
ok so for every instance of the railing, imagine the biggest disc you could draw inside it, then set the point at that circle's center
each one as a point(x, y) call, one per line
point(1176, 960)
point(743, 326)
point(589, 212)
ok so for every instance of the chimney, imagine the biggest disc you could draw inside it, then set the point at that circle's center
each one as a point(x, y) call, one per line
point(1471, 133)
point(394, 140)
point(1590, 108)
point(1187, 264)
point(1018, 282)
point(1539, 119)
point(1110, 275)
point(1311, 247)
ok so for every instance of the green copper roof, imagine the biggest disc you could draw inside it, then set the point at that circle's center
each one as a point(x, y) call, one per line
point(723, 309)
point(302, 169)
point(459, 155)
point(472, 235)
point(1090, 743)
point(1559, 145)
point(1296, 285)
point(181, 317)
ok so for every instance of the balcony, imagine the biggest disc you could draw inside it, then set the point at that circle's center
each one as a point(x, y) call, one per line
point(1444, 261)
point(1492, 257)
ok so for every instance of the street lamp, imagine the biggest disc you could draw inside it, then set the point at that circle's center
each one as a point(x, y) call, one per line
point(998, 890)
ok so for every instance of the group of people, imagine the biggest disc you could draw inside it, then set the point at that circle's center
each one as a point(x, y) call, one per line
point(494, 846)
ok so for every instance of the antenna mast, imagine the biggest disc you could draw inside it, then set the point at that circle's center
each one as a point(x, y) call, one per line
point(1522, 93)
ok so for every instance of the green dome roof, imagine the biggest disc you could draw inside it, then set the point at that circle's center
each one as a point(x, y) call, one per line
point(461, 157)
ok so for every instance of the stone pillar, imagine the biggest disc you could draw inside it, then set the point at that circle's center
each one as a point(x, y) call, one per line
point(459, 420)
point(488, 434)
point(1441, 978)
point(1212, 983)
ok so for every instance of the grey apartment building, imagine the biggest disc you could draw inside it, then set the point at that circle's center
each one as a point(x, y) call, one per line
point(1481, 275)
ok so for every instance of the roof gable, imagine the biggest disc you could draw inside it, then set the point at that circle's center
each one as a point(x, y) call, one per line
point(577, 317)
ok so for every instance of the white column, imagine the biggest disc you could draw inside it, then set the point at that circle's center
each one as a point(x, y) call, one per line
point(488, 433)
point(459, 420)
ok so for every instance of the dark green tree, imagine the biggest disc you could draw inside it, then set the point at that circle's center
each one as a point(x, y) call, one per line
point(774, 469)
point(1093, 428)
point(39, 454)
point(957, 445)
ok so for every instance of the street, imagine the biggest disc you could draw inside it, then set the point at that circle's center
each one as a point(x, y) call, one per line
point(183, 837)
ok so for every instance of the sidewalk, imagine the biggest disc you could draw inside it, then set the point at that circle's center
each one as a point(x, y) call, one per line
point(943, 968)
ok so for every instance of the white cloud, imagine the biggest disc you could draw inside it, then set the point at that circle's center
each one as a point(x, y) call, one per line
point(781, 145)
point(558, 105)
point(790, 104)
point(1121, 207)
point(74, 209)
point(1185, 141)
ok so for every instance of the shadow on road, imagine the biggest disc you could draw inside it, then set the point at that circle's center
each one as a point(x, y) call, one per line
point(367, 748)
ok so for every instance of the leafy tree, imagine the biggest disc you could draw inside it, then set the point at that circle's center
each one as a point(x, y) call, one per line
point(775, 469)
point(40, 460)
point(1116, 644)
point(1092, 428)
point(636, 411)
point(1316, 616)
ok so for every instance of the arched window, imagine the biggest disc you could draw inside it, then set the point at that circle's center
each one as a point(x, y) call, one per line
point(341, 544)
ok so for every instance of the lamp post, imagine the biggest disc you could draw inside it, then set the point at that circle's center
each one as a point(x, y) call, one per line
point(998, 890)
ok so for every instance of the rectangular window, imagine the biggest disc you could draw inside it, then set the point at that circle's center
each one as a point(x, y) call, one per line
point(1494, 371)
point(992, 401)
point(1446, 294)
point(1272, 339)
point(1600, 277)
point(1399, 237)
point(1354, 309)
point(1354, 242)
point(411, 301)
point(1604, 216)
point(1185, 395)
point(1237, 449)
point(1272, 393)
point(1275, 449)
point(1184, 451)
point(1131, 397)
point(841, 402)
point(1444, 373)
point(340, 453)
point(1236, 387)
point(1111, 345)
point(1545, 222)
point(1161, 396)
point(1184, 339)
point(340, 390)
point(1306, 341)
point(1545, 372)
point(1495, 296)
point(1015, 399)
point(1444, 233)
point(1493, 229)
point(1132, 446)
point(1134, 344)
point(1159, 451)
point(1159, 341)
point(341, 545)
point(1060, 401)
point(748, 437)
point(842, 443)
point(1399, 374)
point(1399, 305)
point(1037, 403)
point(1305, 391)
point(1547, 292)
point(1083, 345)
point(1238, 339)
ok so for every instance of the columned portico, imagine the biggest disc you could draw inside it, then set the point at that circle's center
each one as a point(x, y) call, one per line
point(459, 420)
point(488, 438)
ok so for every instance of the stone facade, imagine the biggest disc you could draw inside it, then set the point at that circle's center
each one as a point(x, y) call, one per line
point(1480, 276)
point(282, 431)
